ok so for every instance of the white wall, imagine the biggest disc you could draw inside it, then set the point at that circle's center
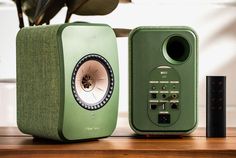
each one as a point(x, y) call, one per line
point(213, 20)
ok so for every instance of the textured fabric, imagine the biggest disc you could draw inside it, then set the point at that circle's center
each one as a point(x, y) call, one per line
point(38, 81)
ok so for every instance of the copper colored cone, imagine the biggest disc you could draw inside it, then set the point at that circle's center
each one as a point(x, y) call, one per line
point(92, 82)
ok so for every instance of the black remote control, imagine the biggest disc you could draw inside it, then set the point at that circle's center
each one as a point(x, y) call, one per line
point(216, 106)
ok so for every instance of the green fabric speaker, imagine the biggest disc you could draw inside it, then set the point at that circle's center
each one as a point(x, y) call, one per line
point(67, 81)
point(163, 80)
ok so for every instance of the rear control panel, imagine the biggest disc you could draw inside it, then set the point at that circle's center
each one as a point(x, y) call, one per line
point(164, 106)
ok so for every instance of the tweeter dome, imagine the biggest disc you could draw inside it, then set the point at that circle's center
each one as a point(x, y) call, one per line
point(67, 81)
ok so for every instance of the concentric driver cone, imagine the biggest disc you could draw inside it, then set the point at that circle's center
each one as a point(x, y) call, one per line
point(92, 82)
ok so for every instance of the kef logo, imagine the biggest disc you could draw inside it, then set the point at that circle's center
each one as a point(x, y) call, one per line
point(92, 128)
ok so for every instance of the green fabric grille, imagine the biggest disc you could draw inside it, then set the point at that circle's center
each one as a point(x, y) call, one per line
point(38, 81)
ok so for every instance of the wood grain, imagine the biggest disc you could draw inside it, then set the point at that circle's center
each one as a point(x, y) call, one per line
point(124, 131)
point(123, 143)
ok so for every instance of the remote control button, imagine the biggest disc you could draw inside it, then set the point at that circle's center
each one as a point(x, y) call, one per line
point(213, 108)
point(213, 83)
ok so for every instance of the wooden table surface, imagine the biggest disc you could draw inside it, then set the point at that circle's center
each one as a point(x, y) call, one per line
point(123, 143)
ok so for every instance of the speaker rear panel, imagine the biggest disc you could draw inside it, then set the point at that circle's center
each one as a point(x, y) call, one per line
point(163, 91)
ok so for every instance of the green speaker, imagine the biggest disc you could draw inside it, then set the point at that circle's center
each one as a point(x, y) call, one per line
point(163, 80)
point(67, 81)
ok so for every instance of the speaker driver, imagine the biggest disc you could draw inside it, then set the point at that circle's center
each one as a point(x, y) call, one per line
point(92, 81)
